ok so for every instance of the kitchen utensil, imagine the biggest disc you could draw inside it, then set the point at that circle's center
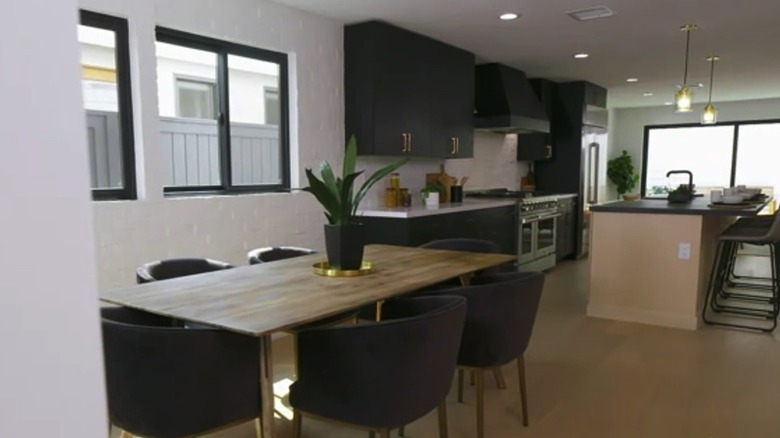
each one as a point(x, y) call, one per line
point(463, 180)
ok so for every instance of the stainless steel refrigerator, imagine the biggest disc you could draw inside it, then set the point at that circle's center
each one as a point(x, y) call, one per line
point(594, 176)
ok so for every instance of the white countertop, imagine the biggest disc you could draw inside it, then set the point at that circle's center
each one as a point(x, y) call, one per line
point(419, 210)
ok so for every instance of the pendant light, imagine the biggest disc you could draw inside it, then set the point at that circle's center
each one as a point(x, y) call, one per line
point(710, 114)
point(683, 98)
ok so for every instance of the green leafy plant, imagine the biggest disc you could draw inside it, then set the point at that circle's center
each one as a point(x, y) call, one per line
point(430, 188)
point(620, 172)
point(336, 194)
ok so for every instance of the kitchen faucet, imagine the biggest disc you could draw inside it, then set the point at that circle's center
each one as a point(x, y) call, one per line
point(688, 172)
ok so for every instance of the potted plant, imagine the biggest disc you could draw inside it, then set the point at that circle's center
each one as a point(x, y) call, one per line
point(682, 194)
point(431, 193)
point(344, 235)
point(620, 171)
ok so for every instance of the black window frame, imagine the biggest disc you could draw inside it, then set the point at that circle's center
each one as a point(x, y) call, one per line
point(734, 150)
point(119, 26)
point(222, 49)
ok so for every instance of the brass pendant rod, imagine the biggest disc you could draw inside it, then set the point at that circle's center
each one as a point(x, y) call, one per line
point(687, 51)
point(712, 76)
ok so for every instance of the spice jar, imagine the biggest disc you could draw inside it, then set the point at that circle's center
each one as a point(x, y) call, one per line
point(395, 180)
point(391, 198)
point(401, 195)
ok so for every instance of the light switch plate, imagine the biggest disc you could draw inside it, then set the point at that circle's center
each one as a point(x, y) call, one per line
point(684, 251)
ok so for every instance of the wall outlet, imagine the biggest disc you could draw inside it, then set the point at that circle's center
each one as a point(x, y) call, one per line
point(684, 251)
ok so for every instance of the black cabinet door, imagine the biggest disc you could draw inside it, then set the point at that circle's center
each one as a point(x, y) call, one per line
point(401, 113)
point(534, 147)
point(452, 101)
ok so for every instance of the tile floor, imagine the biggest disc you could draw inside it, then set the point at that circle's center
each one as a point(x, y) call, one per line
point(604, 379)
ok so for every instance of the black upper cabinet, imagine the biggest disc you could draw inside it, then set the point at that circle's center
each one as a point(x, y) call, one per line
point(534, 147)
point(407, 94)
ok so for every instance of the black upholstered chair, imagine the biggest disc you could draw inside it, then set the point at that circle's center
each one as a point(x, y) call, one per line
point(274, 253)
point(470, 245)
point(174, 268)
point(381, 375)
point(501, 313)
point(166, 382)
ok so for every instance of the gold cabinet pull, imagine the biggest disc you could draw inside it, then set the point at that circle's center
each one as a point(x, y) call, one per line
point(457, 145)
point(454, 149)
point(404, 142)
point(549, 151)
point(409, 147)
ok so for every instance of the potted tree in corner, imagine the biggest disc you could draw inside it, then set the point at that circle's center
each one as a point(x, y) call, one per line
point(344, 234)
point(620, 171)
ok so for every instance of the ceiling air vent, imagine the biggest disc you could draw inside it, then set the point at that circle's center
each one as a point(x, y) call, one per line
point(591, 13)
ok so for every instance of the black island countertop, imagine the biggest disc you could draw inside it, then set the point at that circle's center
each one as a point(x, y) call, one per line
point(699, 206)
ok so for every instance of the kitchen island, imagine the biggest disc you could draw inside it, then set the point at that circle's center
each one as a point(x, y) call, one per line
point(650, 260)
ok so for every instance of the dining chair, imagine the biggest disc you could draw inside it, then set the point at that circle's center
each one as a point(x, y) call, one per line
point(171, 382)
point(499, 322)
point(380, 375)
point(274, 253)
point(174, 268)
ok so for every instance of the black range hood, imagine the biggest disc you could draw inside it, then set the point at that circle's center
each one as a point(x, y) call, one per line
point(505, 101)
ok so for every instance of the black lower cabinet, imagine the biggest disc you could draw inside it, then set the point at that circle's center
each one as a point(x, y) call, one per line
point(565, 247)
point(497, 225)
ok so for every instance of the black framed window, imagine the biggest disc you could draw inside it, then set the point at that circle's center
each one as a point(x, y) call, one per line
point(105, 69)
point(223, 115)
point(721, 155)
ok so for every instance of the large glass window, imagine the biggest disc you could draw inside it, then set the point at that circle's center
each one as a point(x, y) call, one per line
point(705, 151)
point(105, 78)
point(723, 155)
point(221, 130)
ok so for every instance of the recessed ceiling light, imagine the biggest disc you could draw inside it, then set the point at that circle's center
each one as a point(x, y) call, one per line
point(647, 94)
point(509, 16)
point(632, 80)
point(581, 55)
point(668, 103)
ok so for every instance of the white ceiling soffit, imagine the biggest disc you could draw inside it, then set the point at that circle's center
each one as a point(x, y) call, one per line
point(642, 39)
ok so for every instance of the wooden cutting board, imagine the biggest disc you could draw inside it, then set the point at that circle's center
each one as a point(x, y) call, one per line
point(446, 180)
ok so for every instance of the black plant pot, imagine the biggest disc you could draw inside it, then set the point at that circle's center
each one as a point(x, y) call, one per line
point(344, 244)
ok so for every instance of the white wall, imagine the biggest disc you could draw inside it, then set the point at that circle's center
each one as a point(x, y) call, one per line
point(130, 233)
point(51, 371)
point(627, 126)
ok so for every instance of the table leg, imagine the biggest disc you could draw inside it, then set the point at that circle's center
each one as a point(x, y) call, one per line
point(267, 385)
point(465, 279)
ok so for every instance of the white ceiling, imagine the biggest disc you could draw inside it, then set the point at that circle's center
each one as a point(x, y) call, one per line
point(642, 40)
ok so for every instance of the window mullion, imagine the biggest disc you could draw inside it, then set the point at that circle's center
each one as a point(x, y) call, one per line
point(224, 118)
point(734, 152)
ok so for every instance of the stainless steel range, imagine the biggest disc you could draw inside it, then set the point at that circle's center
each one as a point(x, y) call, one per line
point(537, 220)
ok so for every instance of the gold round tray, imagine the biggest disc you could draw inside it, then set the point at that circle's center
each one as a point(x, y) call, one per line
point(324, 269)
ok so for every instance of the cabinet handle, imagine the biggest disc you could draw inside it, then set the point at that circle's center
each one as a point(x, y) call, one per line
point(409, 146)
point(549, 151)
point(454, 149)
point(404, 142)
point(457, 145)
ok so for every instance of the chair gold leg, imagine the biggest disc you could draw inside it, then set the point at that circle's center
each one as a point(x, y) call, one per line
point(384, 433)
point(523, 395)
point(443, 420)
point(480, 403)
point(379, 309)
point(499, 376)
point(460, 385)
point(402, 431)
point(124, 434)
point(297, 423)
point(258, 428)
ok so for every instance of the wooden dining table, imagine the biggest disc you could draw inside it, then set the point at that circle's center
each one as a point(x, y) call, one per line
point(259, 300)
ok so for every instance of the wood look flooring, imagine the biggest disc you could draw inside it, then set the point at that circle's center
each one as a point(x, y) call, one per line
point(603, 379)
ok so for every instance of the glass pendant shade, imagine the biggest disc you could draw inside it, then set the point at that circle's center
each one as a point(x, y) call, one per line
point(683, 100)
point(710, 115)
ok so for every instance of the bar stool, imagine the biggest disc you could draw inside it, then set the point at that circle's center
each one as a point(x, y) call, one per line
point(739, 299)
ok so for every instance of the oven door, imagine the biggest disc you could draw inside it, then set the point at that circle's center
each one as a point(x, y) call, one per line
point(525, 244)
point(545, 235)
